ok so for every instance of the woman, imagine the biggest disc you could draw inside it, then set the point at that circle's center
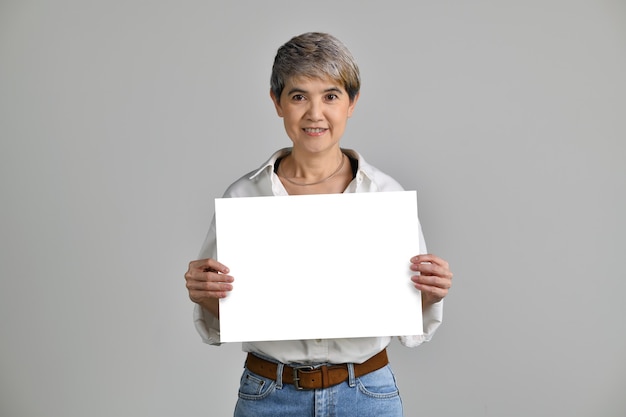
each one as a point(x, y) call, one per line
point(315, 86)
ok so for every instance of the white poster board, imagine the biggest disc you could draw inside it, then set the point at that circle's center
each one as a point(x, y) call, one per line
point(319, 266)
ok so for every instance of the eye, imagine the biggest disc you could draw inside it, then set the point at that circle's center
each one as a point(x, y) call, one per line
point(297, 97)
point(332, 97)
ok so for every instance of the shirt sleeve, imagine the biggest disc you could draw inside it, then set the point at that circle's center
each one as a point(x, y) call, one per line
point(431, 316)
point(207, 325)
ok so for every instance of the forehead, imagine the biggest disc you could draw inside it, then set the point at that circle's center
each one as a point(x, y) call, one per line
point(312, 84)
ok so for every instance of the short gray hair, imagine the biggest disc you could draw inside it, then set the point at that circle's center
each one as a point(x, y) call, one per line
point(315, 55)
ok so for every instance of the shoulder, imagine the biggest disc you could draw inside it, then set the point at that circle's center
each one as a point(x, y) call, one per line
point(258, 182)
point(245, 186)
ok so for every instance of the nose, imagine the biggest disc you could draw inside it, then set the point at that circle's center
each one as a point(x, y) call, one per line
point(314, 111)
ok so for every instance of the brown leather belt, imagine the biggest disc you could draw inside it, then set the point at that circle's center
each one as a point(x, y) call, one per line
point(309, 377)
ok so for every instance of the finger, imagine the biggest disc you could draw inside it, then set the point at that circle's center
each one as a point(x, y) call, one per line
point(432, 269)
point(199, 296)
point(433, 293)
point(209, 286)
point(198, 291)
point(430, 258)
point(207, 265)
point(196, 275)
point(432, 286)
point(431, 281)
point(208, 270)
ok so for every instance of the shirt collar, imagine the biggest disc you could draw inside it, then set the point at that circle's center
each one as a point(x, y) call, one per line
point(364, 168)
point(271, 162)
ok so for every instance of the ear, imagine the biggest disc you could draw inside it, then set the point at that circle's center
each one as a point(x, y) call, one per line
point(353, 104)
point(275, 100)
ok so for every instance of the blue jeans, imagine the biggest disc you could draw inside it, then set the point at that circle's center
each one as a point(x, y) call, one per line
point(371, 395)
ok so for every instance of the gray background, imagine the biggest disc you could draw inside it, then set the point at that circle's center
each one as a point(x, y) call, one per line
point(121, 121)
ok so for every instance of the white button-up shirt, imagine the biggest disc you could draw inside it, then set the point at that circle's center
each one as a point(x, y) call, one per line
point(264, 182)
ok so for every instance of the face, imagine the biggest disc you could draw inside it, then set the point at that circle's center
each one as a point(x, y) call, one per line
point(315, 113)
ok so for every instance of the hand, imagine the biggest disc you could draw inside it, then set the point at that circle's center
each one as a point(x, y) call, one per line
point(434, 279)
point(207, 282)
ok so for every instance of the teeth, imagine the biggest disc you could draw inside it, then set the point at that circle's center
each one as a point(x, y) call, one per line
point(316, 130)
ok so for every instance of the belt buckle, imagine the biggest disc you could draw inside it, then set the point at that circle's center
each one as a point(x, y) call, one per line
point(296, 377)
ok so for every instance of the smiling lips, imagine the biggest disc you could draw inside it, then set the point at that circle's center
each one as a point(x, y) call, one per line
point(314, 131)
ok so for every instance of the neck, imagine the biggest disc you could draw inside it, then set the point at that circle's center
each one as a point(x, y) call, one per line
point(310, 168)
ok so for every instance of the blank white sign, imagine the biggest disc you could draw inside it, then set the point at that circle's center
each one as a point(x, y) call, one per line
point(319, 266)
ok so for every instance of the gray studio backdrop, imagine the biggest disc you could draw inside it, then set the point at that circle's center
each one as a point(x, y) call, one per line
point(121, 121)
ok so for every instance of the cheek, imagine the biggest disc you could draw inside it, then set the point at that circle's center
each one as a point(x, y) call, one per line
point(291, 122)
point(291, 117)
point(340, 121)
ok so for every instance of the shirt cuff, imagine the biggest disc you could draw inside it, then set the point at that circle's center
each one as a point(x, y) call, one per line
point(207, 325)
point(431, 317)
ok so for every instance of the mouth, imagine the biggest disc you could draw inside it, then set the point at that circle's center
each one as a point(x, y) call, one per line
point(314, 131)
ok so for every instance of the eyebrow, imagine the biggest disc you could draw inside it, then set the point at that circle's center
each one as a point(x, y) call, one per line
point(328, 90)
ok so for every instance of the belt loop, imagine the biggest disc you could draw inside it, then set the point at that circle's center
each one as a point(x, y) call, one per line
point(351, 378)
point(279, 375)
